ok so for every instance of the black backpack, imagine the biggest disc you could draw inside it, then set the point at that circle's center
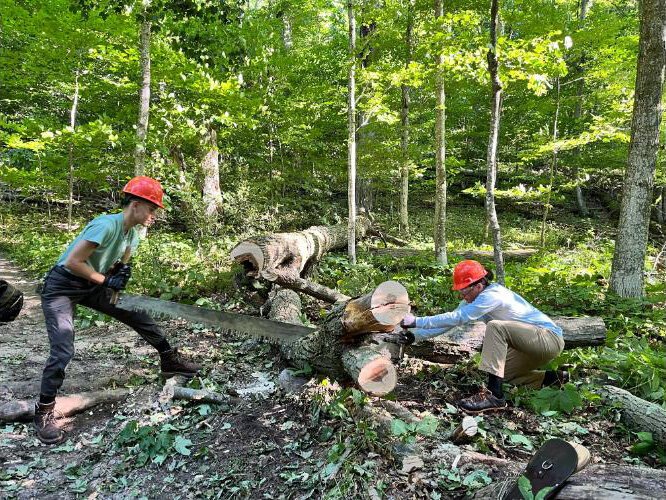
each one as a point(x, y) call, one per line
point(11, 302)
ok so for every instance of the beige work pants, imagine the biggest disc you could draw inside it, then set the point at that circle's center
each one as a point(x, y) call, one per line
point(513, 351)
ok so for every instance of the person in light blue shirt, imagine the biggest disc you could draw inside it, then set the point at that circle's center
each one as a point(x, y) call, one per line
point(519, 338)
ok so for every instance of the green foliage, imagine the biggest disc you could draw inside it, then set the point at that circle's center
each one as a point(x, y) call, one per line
point(525, 488)
point(146, 442)
point(550, 399)
point(408, 432)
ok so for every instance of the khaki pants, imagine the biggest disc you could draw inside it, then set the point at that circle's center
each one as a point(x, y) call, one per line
point(513, 351)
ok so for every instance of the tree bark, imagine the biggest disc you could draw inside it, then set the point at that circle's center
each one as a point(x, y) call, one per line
point(351, 137)
point(553, 165)
point(630, 246)
point(440, 154)
point(296, 251)
point(290, 280)
point(72, 124)
point(24, 410)
point(210, 166)
point(404, 115)
point(640, 414)
point(144, 100)
point(578, 112)
point(495, 115)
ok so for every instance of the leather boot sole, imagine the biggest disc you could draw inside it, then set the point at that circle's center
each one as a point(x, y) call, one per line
point(57, 440)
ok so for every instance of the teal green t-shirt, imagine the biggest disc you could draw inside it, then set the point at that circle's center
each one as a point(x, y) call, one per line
point(107, 232)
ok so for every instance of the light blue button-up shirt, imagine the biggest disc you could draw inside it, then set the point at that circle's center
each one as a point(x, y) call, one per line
point(495, 302)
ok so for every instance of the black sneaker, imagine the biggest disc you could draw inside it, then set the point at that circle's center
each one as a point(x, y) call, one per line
point(483, 401)
point(173, 363)
point(48, 431)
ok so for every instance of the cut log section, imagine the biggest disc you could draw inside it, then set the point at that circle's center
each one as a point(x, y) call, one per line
point(24, 410)
point(638, 413)
point(377, 311)
point(371, 369)
point(328, 350)
point(296, 251)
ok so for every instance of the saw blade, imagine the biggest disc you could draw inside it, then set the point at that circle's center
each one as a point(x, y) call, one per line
point(259, 328)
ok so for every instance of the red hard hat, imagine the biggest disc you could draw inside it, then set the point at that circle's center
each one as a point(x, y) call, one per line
point(467, 272)
point(147, 188)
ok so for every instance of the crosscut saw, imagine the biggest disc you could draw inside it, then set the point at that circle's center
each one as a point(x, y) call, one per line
point(258, 328)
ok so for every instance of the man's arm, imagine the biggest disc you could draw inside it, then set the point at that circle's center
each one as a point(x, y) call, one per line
point(76, 262)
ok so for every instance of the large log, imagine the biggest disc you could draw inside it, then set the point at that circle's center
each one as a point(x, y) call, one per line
point(462, 341)
point(640, 414)
point(377, 311)
point(24, 410)
point(297, 251)
point(371, 368)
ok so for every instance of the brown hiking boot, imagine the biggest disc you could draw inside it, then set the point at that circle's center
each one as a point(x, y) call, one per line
point(483, 401)
point(174, 363)
point(48, 431)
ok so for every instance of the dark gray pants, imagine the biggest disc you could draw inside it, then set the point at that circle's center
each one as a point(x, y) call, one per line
point(61, 294)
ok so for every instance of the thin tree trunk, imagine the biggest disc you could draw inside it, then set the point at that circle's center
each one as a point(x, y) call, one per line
point(351, 140)
point(72, 124)
point(578, 112)
point(212, 196)
point(495, 115)
point(440, 155)
point(631, 243)
point(553, 166)
point(144, 101)
point(404, 142)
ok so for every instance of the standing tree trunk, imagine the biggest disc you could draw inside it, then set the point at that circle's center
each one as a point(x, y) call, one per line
point(630, 245)
point(553, 165)
point(72, 124)
point(578, 112)
point(212, 196)
point(495, 110)
point(351, 139)
point(440, 154)
point(404, 140)
point(144, 101)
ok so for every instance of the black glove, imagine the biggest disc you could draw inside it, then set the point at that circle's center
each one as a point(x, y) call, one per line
point(404, 337)
point(118, 281)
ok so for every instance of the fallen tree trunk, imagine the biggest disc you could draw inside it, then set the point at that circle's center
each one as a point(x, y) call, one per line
point(640, 414)
point(336, 348)
point(403, 253)
point(24, 410)
point(462, 341)
point(296, 251)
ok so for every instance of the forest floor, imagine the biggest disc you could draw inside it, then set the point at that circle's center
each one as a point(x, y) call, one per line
point(268, 444)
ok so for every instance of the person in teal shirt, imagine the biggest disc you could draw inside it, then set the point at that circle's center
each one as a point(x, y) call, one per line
point(94, 268)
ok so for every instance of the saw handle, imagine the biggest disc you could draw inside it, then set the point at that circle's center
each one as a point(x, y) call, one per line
point(115, 295)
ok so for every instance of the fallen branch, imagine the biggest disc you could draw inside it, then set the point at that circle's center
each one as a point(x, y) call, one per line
point(290, 280)
point(24, 410)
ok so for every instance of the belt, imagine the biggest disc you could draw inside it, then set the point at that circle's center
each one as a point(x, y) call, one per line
point(64, 272)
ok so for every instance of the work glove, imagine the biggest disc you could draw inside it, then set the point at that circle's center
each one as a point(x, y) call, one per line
point(409, 321)
point(404, 337)
point(118, 281)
